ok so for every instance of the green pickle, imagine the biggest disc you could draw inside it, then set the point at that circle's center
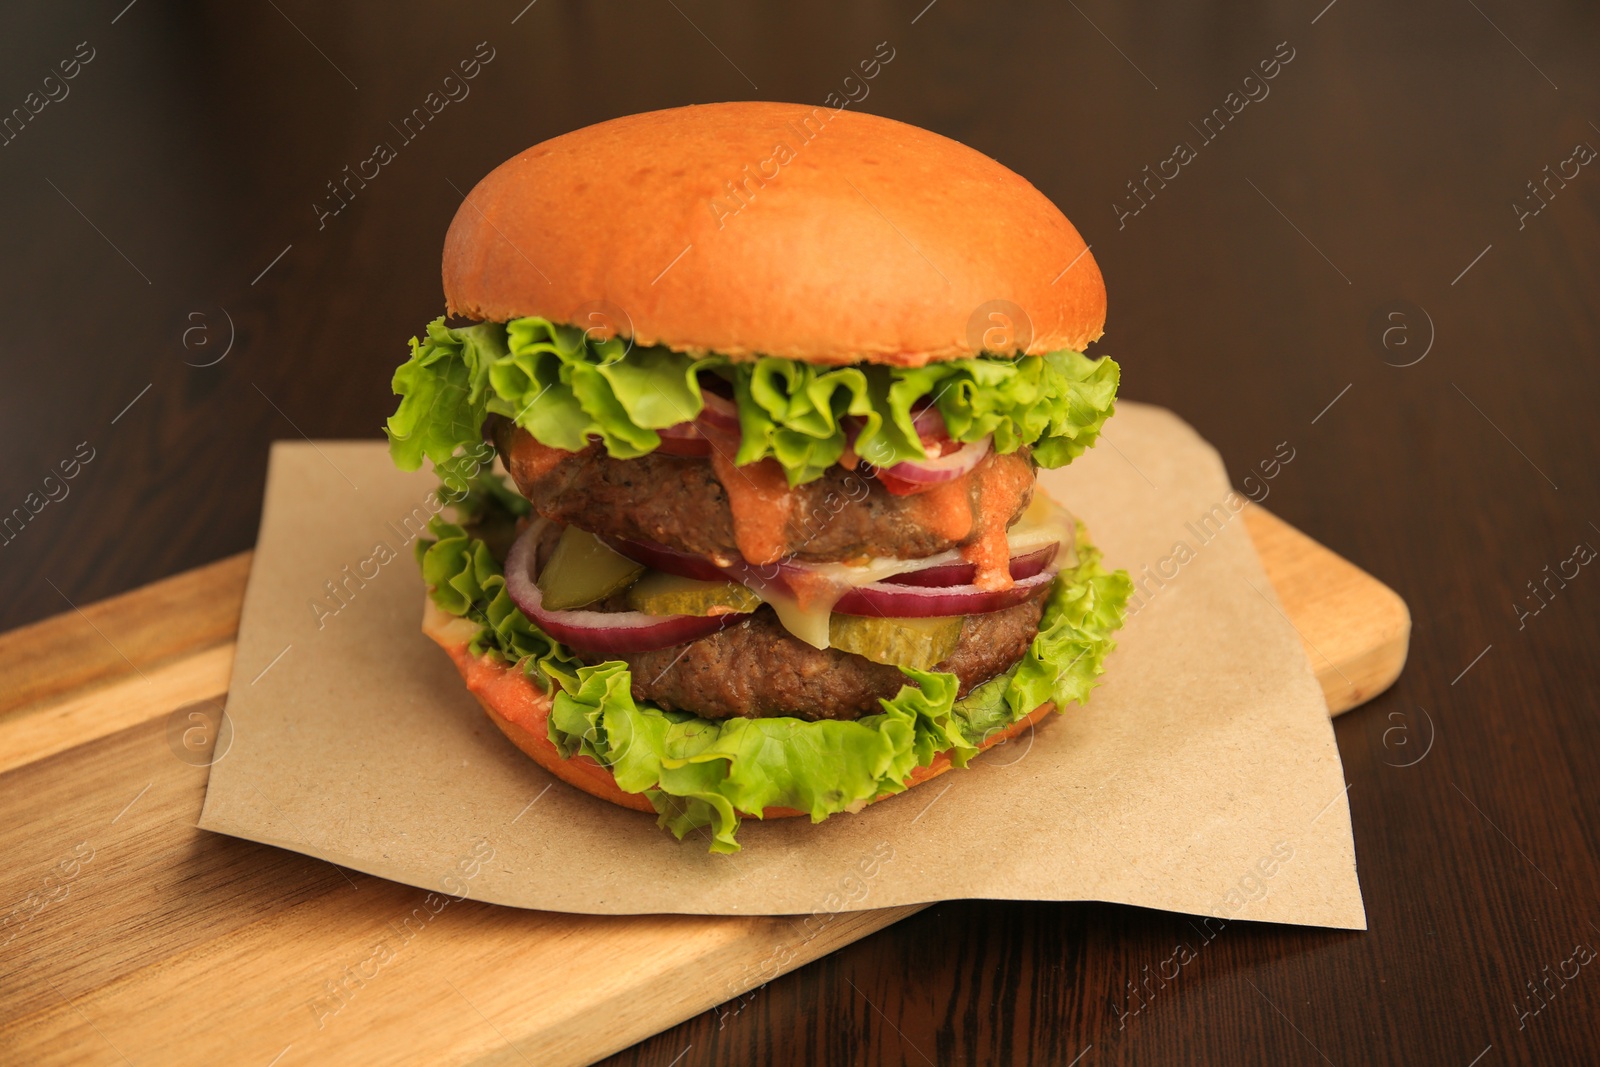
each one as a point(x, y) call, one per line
point(668, 594)
point(917, 643)
point(582, 570)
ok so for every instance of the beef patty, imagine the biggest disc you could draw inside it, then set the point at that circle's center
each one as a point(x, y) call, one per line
point(757, 669)
point(678, 501)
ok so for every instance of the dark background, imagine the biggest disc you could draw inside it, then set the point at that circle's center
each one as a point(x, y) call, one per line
point(1388, 155)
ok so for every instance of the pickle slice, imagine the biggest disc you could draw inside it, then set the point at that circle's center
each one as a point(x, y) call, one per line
point(582, 570)
point(918, 643)
point(668, 594)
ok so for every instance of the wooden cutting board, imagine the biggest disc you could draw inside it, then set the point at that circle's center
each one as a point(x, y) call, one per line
point(127, 934)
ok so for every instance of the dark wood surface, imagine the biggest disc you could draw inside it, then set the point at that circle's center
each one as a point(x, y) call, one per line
point(156, 196)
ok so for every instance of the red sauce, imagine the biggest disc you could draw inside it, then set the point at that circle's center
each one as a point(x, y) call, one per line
point(974, 508)
point(945, 509)
point(1002, 483)
point(758, 498)
point(810, 589)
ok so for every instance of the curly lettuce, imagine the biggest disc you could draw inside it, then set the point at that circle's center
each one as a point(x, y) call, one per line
point(700, 775)
point(566, 388)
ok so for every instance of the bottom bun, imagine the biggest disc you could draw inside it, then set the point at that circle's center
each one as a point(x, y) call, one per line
point(522, 712)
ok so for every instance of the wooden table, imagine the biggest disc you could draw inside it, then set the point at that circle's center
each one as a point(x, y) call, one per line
point(175, 306)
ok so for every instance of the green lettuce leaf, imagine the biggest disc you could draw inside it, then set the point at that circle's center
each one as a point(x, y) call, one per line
point(565, 388)
point(465, 579)
point(700, 774)
point(443, 390)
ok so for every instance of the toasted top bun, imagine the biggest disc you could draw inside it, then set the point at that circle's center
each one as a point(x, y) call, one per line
point(775, 229)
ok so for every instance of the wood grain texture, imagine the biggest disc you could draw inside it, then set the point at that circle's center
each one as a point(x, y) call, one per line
point(139, 913)
point(1355, 629)
point(132, 634)
point(1383, 164)
point(164, 927)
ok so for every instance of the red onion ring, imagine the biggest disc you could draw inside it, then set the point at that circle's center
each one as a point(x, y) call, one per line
point(682, 431)
point(947, 577)
point(683, 439)
point(688, 448)
point(953, 574)
point(930, 425)
point(605, 632)
point(667, 560)
point(915, 602)
point(718, 411)
point(946, 468)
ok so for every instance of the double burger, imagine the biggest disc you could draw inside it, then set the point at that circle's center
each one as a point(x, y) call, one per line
point(770, 384)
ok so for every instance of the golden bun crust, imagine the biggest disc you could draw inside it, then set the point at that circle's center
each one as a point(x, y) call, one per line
point(775, 229)
point(518, 707)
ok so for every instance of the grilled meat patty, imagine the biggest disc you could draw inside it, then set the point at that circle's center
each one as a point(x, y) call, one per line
point(678, 501)
point(758, 669)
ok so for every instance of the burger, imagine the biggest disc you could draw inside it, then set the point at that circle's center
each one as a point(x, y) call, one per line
point(768, 385)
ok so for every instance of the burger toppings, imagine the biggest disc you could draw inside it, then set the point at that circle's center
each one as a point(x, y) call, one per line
point(852, 557)
point(807, 596)
point(1025, 564)
point(584, 569)
point(756, 670)
point(998, 496)
point(670, 594)
point(653, 720)
point(759, 503)
point(918, 476)
point(919, 643)
point(681, 502)
point(607, 632)
point(889, 600)
point(566, 388)
point(551, 575)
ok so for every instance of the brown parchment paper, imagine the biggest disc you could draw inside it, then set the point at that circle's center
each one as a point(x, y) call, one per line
point(1201, 778)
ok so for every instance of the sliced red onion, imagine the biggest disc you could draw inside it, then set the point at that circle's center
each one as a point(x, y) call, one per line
point(668, 560)
point(682, 431)
point(951, 574)
point(930, 425)
point(897, 487)
point(719, 412)
point(915, 602)
point(684, 439)
point(605, 632)
point(688, 448)
point(946, 468)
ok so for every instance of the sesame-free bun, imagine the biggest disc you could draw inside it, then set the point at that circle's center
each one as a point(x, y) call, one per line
point(522, 712)
point(830, 236)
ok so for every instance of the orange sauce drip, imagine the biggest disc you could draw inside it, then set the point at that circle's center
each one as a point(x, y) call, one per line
point(812, 589)
point(1002, 484)
point(945, 509)
point(758, 497)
